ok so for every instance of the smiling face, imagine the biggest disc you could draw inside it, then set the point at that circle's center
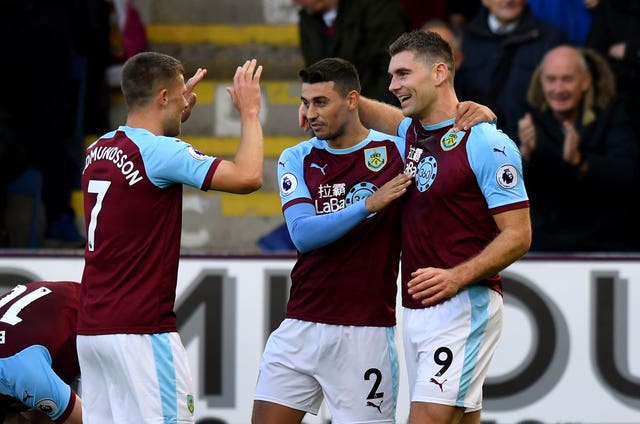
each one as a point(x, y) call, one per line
point(326, 109)
point(505, 11)
point(564, 79)
point(413, 83)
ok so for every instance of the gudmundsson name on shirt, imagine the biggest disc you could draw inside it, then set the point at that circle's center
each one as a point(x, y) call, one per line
point(119, 158)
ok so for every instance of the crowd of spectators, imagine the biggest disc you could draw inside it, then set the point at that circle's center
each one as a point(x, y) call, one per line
point(581, 158)
point(498, 45)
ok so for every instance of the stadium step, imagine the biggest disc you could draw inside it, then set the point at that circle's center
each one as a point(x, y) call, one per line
point(219, 36)
point(215, 115)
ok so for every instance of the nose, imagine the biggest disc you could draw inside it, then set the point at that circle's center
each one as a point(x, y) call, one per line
point(556, 88)
point(312, 112)
point(394, 85)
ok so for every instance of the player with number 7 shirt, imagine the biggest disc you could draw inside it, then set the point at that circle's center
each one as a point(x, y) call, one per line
point(133, 363)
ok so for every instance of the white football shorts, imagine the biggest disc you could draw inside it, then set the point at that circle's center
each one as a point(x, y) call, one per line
point(448, 347)
point(135, 378)
point(354, 369)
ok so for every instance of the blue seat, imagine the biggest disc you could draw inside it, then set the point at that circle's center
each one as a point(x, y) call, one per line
point(277, 240)
point(30, 183)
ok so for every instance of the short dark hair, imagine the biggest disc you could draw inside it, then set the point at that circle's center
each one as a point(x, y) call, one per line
point(146, 72)
point(333, 69)
point(428, 45)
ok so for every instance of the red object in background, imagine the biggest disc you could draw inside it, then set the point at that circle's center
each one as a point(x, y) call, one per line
point(134, 35)
point(420, 11)
point(129, 37)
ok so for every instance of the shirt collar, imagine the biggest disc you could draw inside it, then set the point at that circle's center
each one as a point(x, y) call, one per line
point(498, 28)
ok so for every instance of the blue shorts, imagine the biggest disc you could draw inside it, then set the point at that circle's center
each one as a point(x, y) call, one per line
point(28, 377)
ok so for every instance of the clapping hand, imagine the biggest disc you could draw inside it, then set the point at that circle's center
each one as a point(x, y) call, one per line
point(527, 136)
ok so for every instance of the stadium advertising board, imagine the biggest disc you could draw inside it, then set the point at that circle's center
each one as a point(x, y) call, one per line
point(570, 352)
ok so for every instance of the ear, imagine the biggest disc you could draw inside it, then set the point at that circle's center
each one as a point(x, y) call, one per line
point(440, 73)
point(353, 98)
point(163, 97)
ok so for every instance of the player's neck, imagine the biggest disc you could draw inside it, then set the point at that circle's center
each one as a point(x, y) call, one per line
point(349, 138)
point(443, 109)
point(140, 119)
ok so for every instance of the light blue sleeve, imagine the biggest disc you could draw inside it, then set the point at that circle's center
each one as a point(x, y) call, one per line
point(29, 371)
point(291, 175)
point(495, 160)
point(307, 229)
point(168, 160)
point(403, 127)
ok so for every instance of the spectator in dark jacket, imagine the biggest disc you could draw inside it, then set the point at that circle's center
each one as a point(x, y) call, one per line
point(615, 34)
point(356, 30)
point(580, 160)
point(502, 46)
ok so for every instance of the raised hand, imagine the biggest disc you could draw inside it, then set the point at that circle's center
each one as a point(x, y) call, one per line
point(245, 92)
point(189, 94)
point(527, 136)
point(570, 152)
